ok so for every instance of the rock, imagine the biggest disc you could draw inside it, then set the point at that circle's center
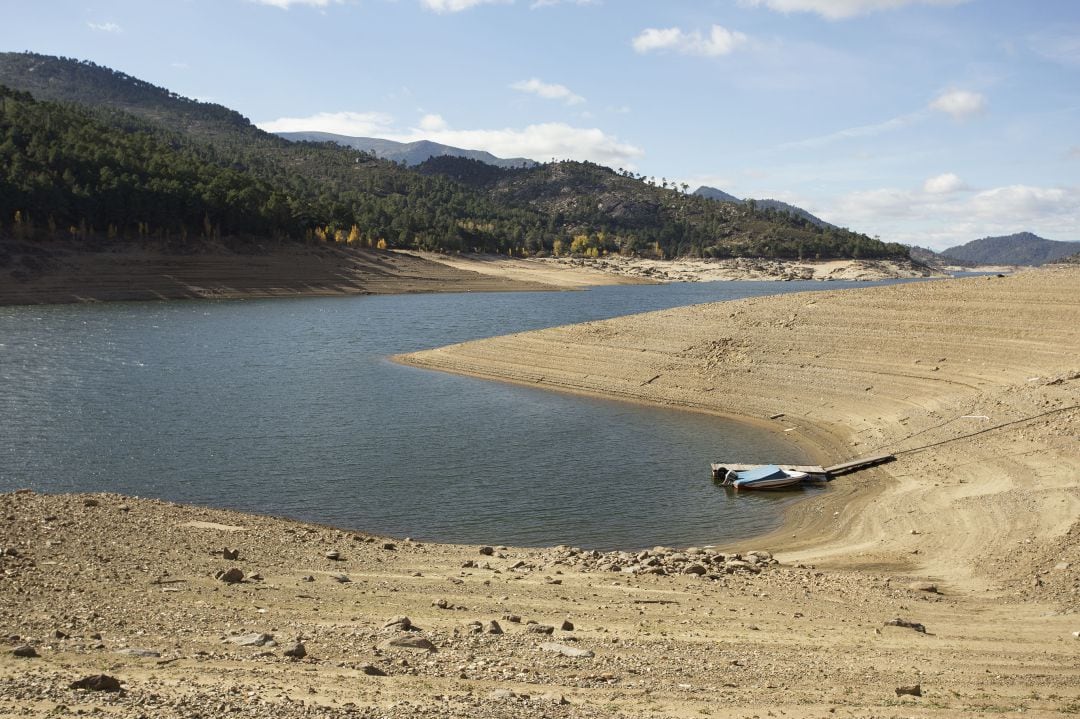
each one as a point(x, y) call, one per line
point(389, 546)
point(501, 695)
point(333, 555)
point(136, 652)
point(255, 577)
point(567, 626)
point(914, 690)
point(230, 554)
point(572, 652)
point(442, 604)
point(401, 624)
point(307, 578)
point(493, 627)
point(340, 578)
point(232, 576)
point(11, 552)
point(898, 622)
point(296, 651)
point(474, 627)
point(97, 683)
point(694, 569)
point(540, 629)
point(554, 698)
point(90, 502)
point(372, 671)
point(1061, 566)
point(408, 642)
point(251, 640)
point(487, 551)
point(25, 651)
point(929, 587)
point(512, 618)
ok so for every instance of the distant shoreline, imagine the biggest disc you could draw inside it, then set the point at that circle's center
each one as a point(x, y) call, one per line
point(55, 273)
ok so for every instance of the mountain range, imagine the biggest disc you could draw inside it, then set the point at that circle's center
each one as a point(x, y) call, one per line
point(1022, 248)
point(410, 153)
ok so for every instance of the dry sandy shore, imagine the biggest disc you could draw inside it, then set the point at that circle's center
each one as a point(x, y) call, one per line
point(51, 272)
point(989, 519)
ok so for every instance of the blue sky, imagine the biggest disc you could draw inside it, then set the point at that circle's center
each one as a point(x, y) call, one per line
point(929, 122)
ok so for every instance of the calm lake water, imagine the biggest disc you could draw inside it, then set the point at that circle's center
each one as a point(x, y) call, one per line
point(290, 407)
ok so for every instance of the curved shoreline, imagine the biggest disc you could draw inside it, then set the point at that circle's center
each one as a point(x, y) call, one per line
point(852, 371)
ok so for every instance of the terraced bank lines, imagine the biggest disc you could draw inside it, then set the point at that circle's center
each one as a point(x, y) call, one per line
point(856, 371)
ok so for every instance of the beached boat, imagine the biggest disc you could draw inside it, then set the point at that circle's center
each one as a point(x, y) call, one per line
point(768, 477)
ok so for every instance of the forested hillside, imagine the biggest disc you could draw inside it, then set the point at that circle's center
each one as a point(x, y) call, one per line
point(113, 155)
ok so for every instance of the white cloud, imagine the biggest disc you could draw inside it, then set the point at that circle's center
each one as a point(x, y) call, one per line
point(855, 132)
point(939, 220)
point(943, 184)
point(447, 6)
point(433, 123)
point(105, 27)
point(548, 91)
point(961, 104)
point(719, 41)
point(286, 4)
point(539, 142)
point(842, 9)
point(356, 124)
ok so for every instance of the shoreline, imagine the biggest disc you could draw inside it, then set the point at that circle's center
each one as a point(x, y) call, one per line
point(56, 272)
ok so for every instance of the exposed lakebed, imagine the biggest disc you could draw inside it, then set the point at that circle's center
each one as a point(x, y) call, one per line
point(291, 407)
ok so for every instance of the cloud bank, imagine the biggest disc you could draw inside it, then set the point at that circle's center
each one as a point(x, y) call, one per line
point(719, 41)
point(548, 91)
point(842, 9)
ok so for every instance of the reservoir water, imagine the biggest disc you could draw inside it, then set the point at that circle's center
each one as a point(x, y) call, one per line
point(290, 407)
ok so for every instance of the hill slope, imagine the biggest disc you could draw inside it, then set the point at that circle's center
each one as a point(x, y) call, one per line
point(712, 193)
point(448, 204)
point(1022, 248)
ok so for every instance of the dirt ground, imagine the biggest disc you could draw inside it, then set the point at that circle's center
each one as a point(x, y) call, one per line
point(970, 539)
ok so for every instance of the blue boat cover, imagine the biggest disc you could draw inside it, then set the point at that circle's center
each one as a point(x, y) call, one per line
point(769, 471)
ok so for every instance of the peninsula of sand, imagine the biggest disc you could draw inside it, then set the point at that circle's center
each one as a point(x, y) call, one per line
point(943, 584)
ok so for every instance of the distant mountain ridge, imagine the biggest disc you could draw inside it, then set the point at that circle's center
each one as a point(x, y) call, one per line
point(411, 153)
point(711, 193)
point(1022, 248)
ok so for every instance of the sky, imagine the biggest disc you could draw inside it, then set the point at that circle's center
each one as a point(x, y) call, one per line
point(928, 122)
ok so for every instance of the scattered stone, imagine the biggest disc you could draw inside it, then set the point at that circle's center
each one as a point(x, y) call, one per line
point(230, 554)
point(90, 502)
point(695, 569)
point(25, 651)
point(372, 671)
point(401, 624)
point(340, 578)
point(474, 628)
point(493, 627)
point(567, 626)
point(11, 552)
point(898, 622)
point(97, 683)
point(501, 695)
point(408, 642)
point(928, 587)
point(572, 652)
point(389, 546)
point(487, 551)
point(136, 652)
point(540, 629)
point(554, 698)
point(513, 618)
point(255, 577)
point(333, 555)
point(231, 576)
point(307, 578)
point(914, 690)
point(296, 651)
point(549, 580)
point(442, 604)
point(251, 640)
